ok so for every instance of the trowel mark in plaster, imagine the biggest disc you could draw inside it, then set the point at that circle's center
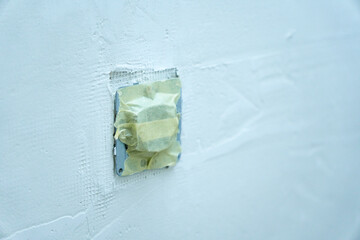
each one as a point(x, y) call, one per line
point(236, 101)
point(266, 71)
point(58, 228)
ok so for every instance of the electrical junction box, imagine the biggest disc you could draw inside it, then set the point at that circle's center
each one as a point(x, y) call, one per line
point(147, 119)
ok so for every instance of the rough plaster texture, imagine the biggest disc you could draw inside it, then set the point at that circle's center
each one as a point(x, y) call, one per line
point(271, 123)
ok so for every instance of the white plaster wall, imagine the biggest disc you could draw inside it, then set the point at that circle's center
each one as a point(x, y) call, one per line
point(271, 123)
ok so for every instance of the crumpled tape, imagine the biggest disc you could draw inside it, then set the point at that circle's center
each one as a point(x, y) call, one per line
point(148, 123)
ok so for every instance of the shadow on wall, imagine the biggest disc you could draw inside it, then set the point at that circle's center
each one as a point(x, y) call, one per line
point(357, 4)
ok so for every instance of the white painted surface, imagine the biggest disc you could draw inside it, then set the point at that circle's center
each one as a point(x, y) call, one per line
point(271, 124)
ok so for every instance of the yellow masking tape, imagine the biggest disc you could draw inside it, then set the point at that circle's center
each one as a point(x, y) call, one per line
point(147, 122)
point(148, 131)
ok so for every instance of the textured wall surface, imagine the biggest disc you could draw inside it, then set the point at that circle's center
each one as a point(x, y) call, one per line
point(271, 123)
